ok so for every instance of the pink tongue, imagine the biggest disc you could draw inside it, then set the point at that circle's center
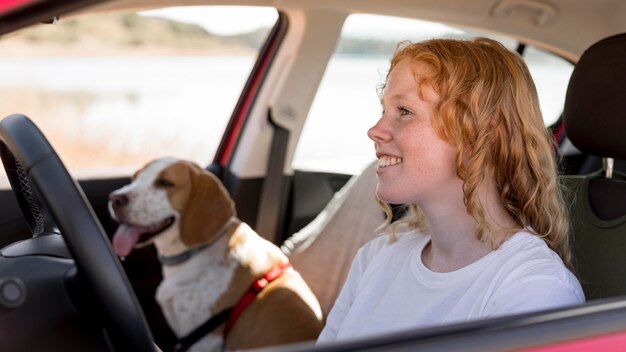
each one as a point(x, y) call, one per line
point(125, 238)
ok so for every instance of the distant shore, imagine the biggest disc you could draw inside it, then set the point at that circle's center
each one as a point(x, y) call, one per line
point(16, 47)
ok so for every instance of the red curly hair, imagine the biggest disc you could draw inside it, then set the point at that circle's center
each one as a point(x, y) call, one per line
point(489, 110)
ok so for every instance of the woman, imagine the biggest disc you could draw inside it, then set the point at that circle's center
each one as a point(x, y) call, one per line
point(461, 142)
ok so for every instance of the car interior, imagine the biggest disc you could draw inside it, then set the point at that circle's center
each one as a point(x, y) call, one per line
point(305, 211)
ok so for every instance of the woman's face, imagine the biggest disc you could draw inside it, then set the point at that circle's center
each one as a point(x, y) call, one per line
point(414, 164)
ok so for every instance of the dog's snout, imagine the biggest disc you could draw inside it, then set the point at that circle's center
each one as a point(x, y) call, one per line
point(118, 200)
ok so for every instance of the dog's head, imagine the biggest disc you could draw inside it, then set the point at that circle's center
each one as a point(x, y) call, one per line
point(169, 196)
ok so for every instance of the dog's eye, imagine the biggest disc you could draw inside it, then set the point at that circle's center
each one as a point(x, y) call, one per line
point(161, 182)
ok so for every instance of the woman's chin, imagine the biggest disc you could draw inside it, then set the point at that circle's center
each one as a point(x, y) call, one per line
point(389, 197)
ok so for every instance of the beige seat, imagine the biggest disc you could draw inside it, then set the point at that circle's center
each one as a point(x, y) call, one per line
point(323, 251)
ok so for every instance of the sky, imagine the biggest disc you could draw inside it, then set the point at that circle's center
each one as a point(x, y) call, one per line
point(220, 19)
point(225, 20)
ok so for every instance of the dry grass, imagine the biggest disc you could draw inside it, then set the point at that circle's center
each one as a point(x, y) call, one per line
point(60, 117)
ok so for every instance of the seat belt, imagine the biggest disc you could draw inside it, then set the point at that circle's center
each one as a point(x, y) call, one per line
point(273, 192)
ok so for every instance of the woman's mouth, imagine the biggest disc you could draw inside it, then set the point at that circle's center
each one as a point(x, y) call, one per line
point(385, 161)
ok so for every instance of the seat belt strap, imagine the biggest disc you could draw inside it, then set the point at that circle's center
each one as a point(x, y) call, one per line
point(272, 194)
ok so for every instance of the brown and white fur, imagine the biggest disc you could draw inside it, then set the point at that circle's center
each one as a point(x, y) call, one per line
point(178, 206)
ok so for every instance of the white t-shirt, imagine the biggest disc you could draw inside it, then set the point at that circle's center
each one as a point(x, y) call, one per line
point(389, 288)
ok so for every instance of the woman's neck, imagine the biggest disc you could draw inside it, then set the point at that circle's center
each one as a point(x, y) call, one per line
point(453, 247)
point(454, 244)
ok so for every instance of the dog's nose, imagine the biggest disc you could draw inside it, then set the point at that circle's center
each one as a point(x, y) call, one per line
point(118, 200)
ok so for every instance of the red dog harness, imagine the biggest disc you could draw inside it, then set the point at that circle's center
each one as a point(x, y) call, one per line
point(231, 315)
point(256, 288)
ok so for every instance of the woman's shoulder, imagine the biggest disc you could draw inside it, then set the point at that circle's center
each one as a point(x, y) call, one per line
point(527, 246)
point(526, 258)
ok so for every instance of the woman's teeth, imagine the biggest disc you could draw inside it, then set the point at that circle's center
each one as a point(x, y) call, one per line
point(385, 161)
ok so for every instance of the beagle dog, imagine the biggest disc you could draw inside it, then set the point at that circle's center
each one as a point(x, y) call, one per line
point(218, 274)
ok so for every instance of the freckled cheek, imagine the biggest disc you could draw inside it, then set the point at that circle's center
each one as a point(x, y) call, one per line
point(444, 163)
point(431, 158)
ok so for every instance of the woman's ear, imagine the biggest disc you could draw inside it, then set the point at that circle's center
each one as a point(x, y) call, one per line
point(209, 207)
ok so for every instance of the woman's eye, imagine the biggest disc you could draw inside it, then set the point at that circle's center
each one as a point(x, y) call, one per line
point(161, 182)
point(404, 111)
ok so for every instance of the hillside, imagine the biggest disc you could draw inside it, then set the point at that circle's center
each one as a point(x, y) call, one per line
point(127, 34)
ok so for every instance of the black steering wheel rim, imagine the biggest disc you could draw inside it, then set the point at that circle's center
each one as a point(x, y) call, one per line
point(85, 238)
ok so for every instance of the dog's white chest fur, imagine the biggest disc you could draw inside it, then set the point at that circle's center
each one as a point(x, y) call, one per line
point(188, 294)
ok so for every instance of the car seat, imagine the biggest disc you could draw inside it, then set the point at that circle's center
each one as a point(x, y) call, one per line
point(595, 121)
point(323, 250)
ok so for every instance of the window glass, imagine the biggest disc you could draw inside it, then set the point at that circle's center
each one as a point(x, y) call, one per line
point(113, 91)
point(347, 103)
point(551, 74)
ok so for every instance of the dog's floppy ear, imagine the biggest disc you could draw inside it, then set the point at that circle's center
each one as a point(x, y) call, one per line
point(208, 208)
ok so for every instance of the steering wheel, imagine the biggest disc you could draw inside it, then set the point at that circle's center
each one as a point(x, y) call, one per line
point(26, 152)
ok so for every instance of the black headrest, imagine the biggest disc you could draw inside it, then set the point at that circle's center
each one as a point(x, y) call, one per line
point(595, 104)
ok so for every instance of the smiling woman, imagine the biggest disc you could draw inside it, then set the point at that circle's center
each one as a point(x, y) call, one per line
point(459, 141)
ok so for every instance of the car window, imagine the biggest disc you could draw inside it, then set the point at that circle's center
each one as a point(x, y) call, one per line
point(347, 103)
point(113, 91)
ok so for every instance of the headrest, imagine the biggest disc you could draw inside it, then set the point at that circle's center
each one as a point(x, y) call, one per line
point(595, 104)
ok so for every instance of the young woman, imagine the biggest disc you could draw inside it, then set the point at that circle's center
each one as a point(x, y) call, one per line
point(461, 142)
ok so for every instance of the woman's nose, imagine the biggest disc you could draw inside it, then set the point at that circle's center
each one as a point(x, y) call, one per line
point(379, 133)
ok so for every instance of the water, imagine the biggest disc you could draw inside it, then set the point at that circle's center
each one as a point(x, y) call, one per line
point(105, 112)
point(114, 113)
